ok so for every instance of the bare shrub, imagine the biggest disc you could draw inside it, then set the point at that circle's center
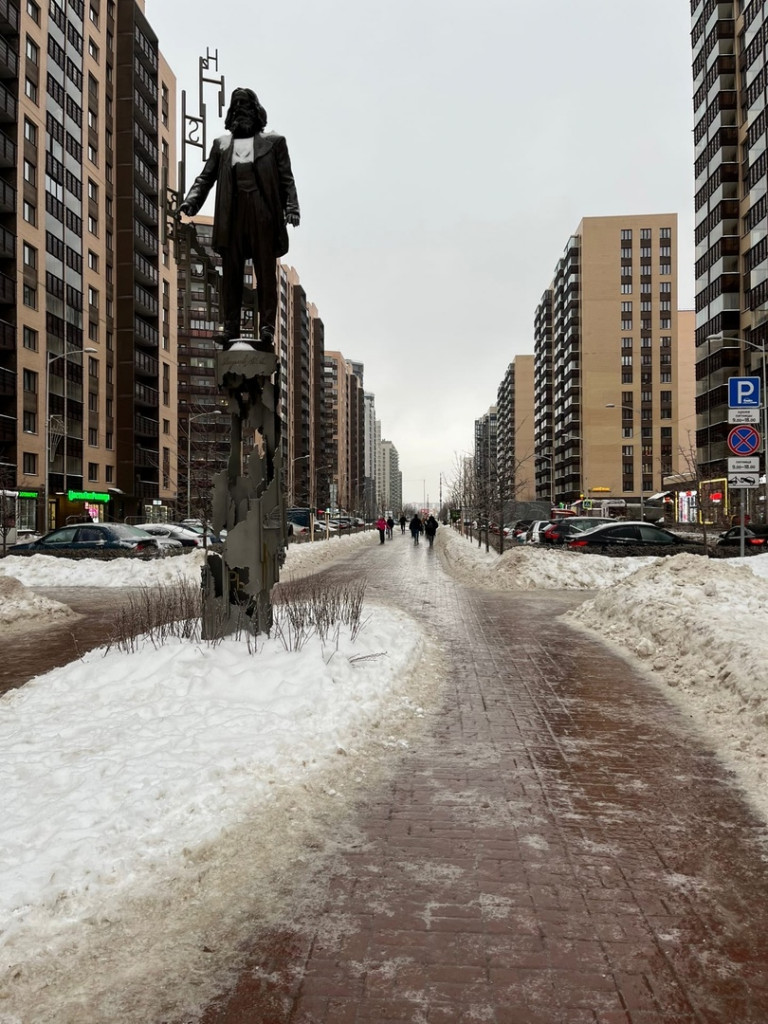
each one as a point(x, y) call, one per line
point(313, 607)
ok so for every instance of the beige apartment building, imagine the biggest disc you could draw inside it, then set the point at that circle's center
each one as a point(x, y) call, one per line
point(515, 438)
point(87, 360)
point(613, 372)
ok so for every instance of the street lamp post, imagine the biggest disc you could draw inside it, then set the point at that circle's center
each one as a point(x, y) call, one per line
point(190, 420)
point(50, 360)
point(633, 410)
point(763, 406)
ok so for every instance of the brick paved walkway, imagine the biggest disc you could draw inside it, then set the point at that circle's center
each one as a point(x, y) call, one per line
point(561, 849)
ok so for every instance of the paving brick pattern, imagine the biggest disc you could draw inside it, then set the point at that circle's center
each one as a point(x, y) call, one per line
point(560, 850)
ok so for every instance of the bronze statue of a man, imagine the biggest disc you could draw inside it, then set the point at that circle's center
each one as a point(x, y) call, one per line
point(255, 200)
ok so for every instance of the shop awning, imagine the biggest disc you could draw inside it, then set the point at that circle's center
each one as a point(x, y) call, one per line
point(659, 496)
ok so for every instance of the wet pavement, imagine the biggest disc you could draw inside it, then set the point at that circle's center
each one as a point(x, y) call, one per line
point(560, 849)
point(27, 651)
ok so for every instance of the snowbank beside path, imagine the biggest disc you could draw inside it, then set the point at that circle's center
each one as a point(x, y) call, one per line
point(531, 566)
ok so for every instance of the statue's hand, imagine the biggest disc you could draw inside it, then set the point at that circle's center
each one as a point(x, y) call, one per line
point(186, 209)
point(293, 219)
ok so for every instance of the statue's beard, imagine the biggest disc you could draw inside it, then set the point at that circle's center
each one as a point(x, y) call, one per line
point(243, 126)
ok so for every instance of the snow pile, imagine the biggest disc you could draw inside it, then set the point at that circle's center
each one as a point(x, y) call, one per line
point(19, 606)
point(531, 566)
point(52, 571)
point(699, 625)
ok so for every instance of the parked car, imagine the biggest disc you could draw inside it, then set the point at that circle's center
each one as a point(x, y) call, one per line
point(501, 530)
point(197, 527)
point(633, 535)
point(755, 538)
point(92, 537)
point(535, 531)
point(563, 529)
point(520, 527)
point(185, 537)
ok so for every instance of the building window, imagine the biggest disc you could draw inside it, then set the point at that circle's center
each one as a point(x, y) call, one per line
point(626, 235)
point(29, 296)
point(93, 14)
point(626, 289)
point(29, 464)
point(93, 49)
point(30, 131)
point(93, 260)
point(108, 474)
point(30, 422)
point(93, 437)
point(93, 120)
point(93, 154)
point(32, 51)
point(93, 330)
point(30, 172)
point(30, 90)
point(30, 255)
point(93, 297)
point(93, 190)
point(29, 381)
point(645, 234)
point(108, 441)
point(626, 325)
point(30, 339)
point(93, 471)
point(665, 269)
point(29, 212)
point(626, 307)
point(33, 11)
point(93, 224)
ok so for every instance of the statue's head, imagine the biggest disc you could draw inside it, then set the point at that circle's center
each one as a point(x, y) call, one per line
point(245, 116)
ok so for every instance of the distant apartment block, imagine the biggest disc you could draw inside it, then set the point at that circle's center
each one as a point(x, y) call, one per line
point(516, 456)
point(613, 363)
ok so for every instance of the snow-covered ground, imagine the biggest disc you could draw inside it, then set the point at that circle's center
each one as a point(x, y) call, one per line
point(166, 771)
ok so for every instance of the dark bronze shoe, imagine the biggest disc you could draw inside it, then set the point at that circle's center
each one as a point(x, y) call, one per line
point(266, 343)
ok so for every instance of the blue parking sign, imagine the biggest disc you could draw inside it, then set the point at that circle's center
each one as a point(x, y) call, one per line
point(743, 392)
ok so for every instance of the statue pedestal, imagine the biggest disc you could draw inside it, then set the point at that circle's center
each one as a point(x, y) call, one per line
point(247, 500)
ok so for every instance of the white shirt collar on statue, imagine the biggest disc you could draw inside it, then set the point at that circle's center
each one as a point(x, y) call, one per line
point(242, 151)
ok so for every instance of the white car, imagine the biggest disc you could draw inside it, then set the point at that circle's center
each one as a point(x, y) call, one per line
point(535, 530)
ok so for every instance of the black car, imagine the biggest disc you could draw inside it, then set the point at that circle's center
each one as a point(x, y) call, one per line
point(91, 537)
point(634, 538)
point(755, 538)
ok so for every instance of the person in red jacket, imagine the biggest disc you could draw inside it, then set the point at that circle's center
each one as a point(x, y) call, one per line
point(381, 526)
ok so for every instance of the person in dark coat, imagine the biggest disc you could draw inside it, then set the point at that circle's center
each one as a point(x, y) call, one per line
point(430, 529)
point(255, 200)
point(403, 523)
point(390, 527)
point(416, 527)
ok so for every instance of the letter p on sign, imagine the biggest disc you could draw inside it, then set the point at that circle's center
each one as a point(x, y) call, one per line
point(743, 392)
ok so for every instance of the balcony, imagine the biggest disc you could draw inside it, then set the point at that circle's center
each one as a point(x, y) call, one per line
point(144, 270)
point(9, 17)
point(7, 244)
point(145, 364)
point(7, 336)
point(146, 303)
point(7, 290)
point(8, 107)
point(145, 332)
point(145, 174)
point(9, 60)
point(146, 396)
point(145, 207)
point(145, 427)
point(144, 239)
point(145, 143)
point(8, 152)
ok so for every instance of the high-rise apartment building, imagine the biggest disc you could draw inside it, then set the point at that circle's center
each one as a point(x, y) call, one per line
point(390, 480)
point(613, 363)
point(87, 361)
point(344, 421)
point(370, 453)
point(515, 453)
point(485, 462)
point(730, 66)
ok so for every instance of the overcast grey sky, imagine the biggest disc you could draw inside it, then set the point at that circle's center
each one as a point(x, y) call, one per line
point(444, 151)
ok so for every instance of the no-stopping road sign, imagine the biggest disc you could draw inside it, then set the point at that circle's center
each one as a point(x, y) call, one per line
point(743, 440)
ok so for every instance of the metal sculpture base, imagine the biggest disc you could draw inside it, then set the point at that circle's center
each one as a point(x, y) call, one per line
point(237, 584)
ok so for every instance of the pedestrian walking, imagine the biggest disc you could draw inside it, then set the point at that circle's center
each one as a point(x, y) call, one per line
point(381, 526)
point(416, 527)
point(430, 529)
point(403, 522)
point(390, 527)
